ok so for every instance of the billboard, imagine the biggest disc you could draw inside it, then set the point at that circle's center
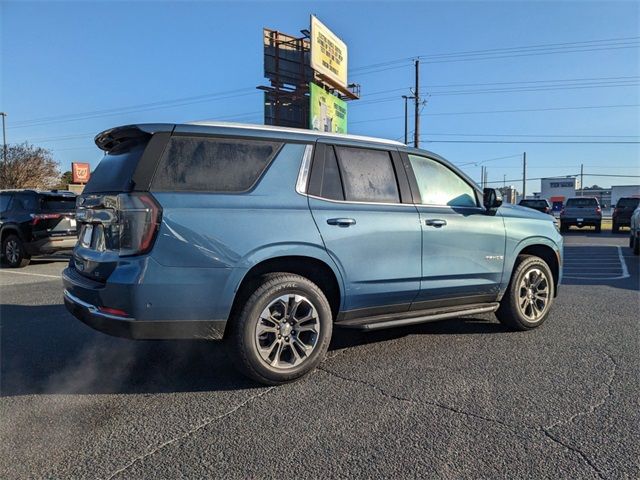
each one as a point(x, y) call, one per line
point(328, 54)
point(327, 113)
point(80, 172)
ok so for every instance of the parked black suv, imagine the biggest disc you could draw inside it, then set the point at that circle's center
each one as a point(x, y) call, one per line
point(35, 223)
point(540, 205)
point(621, 216)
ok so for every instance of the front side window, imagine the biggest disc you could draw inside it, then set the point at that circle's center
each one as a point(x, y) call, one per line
point(198, 164)
point(367, 175)
point(438, 185)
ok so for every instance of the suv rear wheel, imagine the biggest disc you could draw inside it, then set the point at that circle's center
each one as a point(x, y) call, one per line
point(528, 298)
point(598, 227)
point(283, 330)
point(13, 252)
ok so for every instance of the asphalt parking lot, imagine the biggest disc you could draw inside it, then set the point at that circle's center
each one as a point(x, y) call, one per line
point(456, 399)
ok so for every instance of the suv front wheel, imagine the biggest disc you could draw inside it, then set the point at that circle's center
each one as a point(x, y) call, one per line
point(13, 252)
point(283, 330)
point(528, 298)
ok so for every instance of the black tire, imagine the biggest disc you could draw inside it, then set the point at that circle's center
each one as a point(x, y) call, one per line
point(631, 240)
point(243, 342)
point(510, 313)
point(636, 246)
point(13, 253)
point(598, 228)
point(564, 228)
point(615, 228)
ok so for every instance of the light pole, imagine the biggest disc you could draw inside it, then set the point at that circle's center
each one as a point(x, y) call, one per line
point(4, 137)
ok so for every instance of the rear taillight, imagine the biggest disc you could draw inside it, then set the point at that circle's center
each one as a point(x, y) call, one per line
point(562, 211)
point(36, 217)
point(598, 210)
point(139, 218)
point(113, 311)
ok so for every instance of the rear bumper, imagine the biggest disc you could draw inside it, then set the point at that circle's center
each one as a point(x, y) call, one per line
point(583, 221)
point(143, 329)
point(622, 222)
point(50, 245)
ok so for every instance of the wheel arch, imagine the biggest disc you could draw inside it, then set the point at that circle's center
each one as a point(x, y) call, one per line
point(549, 255)
point(313, 268)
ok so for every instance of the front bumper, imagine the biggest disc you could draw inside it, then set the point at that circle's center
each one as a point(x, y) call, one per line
point(126, 327)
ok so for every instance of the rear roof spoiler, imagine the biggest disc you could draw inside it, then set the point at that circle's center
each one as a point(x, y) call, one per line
point(120, 139)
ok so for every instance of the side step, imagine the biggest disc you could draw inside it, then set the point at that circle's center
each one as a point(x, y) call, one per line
point(379, 322)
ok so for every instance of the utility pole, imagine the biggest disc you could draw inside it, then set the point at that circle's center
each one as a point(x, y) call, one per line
point(416, 134)
point(406, 119)
point(504, 180)
point(482, 176)
point(4, 137)
point(581, 180)
point(524, 175)
point(486, 177)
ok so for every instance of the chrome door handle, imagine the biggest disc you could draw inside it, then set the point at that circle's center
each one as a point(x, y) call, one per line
point(435, 222)
point(341, 222)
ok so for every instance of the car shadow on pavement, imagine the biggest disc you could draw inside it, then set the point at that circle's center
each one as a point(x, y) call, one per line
point(45, 351)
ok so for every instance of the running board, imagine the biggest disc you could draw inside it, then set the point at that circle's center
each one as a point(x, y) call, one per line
point(379, 322)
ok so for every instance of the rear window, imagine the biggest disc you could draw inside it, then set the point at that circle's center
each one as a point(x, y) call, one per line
point(59, 204)
point(628, 202)
point(534, 203)
point(582, 202)
point(114, 172)
point(196, 164)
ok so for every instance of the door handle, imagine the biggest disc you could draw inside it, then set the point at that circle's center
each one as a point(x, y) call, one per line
point(341, 222)
point(435, 222)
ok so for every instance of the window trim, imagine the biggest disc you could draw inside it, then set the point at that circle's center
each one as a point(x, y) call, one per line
point(417, 199)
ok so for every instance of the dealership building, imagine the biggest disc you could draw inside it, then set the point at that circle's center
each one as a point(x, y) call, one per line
point(557, 190)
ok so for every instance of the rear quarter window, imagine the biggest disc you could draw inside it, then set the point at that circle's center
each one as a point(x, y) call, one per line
point(196, 164)
point(4, 202)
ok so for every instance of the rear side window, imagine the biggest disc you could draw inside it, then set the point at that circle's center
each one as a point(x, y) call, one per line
point(582, 202)
point(325, 178)
point(196, 164)
point(438, 185)
point(367, 175)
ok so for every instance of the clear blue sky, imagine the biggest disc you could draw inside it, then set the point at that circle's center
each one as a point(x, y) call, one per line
point(68, 58)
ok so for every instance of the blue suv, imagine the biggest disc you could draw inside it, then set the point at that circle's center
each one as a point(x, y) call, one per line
point(269, 238)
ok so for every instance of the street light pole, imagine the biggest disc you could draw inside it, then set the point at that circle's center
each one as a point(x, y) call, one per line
point(4, 137)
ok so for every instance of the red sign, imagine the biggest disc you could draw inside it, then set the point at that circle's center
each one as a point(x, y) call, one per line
point(80, 172)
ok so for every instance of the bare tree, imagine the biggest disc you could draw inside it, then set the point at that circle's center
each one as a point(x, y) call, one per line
point(28, 166)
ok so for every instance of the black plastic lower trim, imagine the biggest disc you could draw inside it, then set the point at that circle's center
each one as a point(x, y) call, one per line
point(144, 330)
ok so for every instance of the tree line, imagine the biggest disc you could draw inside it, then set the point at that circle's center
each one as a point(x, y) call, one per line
point(29, 166)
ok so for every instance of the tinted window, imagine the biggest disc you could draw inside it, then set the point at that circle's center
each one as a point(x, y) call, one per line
point(66, 204)
point(534, 203)
point(438, 185)
point(582, 202)
point(367, 175)
point(212, 165)
point(325, 180)
point(4, 202)
point(628, 202)
point(114, 172)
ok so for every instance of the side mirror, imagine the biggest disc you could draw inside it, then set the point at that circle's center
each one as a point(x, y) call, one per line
point(491, 199)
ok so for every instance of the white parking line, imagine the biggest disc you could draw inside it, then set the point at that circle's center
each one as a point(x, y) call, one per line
point(26, 273)
point(591, 270)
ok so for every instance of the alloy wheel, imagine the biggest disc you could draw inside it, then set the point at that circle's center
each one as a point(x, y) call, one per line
point(287, 331)
point(12, 251)
point(533, 294)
